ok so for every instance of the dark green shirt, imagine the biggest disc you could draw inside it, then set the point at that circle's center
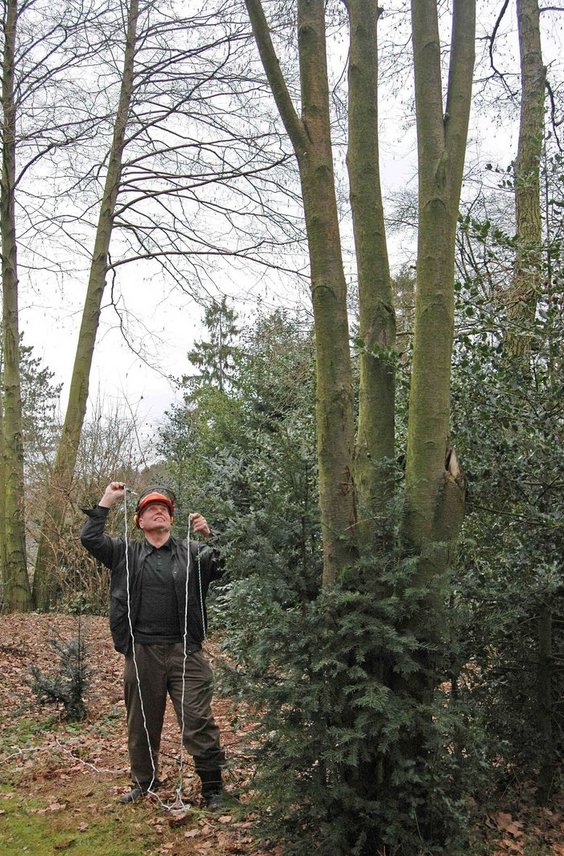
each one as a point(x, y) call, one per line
point(157, 622)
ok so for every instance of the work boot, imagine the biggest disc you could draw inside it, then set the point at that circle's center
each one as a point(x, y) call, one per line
point(139, 791)
point(221, 801)
point(211, 783)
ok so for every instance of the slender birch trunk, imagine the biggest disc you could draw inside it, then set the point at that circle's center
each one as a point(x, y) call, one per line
point(434, 492)
point(63, 471)
point(527, 278)
point(375, 441)
point(17, 591)
point(310, 135)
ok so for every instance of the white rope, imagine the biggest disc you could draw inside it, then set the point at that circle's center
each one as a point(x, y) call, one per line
point(204, 636)
point(185, 650)
point(184, 662)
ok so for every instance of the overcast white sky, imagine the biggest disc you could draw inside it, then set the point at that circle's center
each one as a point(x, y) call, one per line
point(117, 372)
point(138, 374)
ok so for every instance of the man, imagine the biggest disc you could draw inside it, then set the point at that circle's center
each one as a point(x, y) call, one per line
point(157, 620)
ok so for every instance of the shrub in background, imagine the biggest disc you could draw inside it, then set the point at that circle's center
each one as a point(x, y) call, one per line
point(66, 686)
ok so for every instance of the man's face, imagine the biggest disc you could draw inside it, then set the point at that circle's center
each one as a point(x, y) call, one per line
point(155, 517)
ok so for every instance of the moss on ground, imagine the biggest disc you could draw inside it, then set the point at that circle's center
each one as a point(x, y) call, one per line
point(81, 826)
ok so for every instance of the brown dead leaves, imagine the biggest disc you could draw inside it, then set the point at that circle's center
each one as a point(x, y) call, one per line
point(76, 775)
point(537, 830)
point(80, 774)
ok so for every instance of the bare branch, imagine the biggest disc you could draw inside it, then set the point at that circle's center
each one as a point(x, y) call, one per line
point(491, 40)
point(553, 120)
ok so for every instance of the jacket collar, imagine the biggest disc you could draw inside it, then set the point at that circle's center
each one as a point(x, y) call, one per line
point(147, 547)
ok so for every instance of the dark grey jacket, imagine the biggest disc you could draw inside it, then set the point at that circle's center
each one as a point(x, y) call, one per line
point(205, 566)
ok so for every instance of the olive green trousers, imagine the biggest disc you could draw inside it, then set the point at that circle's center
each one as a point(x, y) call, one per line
point(158, 671)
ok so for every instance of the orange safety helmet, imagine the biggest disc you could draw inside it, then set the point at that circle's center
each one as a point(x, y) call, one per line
point(154, 495)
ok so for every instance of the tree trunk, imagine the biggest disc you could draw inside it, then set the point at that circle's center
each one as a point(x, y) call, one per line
point(63, 471)
point(434, 486)
point(524, 292)
point(522, 303)
point(375, 441)
point(17, 592)
point(433, 497)
point(311, 138)
point(2, 487)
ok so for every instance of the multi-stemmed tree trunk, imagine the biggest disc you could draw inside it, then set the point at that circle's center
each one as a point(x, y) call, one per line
point(17, 592)
point(434, 491)
point(63, 470)
point(434, 498)
point(375, 442)
point(310, 135)
point(524, 292)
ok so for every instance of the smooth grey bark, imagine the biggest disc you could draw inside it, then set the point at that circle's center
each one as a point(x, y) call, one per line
point(525, 288)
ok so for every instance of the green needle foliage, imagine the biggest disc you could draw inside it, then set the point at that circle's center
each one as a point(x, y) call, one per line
point(67, 686)
point(347, 759)
point(350, 760)
point(509, 590)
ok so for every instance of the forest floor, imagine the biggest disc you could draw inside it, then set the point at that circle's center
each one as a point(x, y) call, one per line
point(60, 782)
